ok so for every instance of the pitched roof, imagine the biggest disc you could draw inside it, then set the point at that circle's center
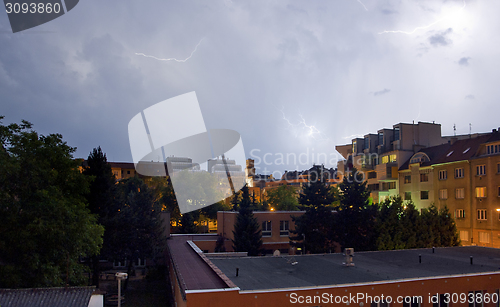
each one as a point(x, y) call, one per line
point(460, 150)
point(46, 297)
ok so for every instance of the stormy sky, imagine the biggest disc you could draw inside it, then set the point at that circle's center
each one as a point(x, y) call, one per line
point(292, 77)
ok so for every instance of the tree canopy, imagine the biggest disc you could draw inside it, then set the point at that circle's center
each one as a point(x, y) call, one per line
point(283, 198)
point(45, 226)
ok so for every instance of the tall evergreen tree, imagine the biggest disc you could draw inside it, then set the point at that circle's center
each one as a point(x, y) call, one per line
point(246, 233)
point(101, 195)
point(389, 225)
point(314, 229)
point(355, 219)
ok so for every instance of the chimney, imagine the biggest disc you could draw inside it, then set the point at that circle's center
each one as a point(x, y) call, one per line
point(453, 140)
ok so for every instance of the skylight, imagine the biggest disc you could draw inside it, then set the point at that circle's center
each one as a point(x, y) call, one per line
point(449, 154)
point(466, 150)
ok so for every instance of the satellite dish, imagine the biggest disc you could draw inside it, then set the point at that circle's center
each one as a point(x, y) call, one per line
point(276, 253)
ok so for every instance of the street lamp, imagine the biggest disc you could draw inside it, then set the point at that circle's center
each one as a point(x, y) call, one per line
point(120, 276)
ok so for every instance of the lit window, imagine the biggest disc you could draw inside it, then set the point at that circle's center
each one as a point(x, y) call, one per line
point(459, 213)
point(459, 173)
point(284, 228)
point(424, 177)
point(424, 194)
point(482, 214)
point(385, 159)
point(484, 237)
point(392, 158)
point(464, 235)
point(480, 192)
point(443, 174)
point(408, 179)
point(266, 228)
point(460, 193)
point(443, 194)
point(481, 170)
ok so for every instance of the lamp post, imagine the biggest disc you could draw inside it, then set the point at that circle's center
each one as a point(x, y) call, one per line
point(120, 276)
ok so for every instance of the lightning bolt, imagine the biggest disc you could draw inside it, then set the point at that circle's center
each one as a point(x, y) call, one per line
point(423, 27)
point(302, 128)
point(172, 59)
point(363, 5)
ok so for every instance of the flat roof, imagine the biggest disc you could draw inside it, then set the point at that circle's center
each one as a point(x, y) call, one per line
point(259, 273)
point(195, 273)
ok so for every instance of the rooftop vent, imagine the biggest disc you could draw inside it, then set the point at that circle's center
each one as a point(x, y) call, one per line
point(349, 254)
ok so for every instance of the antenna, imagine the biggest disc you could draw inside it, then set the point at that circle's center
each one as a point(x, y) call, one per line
point(454, 130)
point(470, 129)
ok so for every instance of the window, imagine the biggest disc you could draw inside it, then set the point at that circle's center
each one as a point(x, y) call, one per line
point(424, 177)
point(416, 301)
point(481, 170)
point(392, 158)
point(443, 174)
point(459, 173)
point(128, 172)
point(443, 194)
point(266, 228)
point(498, 191)
point(385, 159)
point(476, 294)
point(460, 193)
point(459, 214)
point(484, 237)
point(424, 194)
point(408, 179)
point(464, 235)
point(442, 302)
point(284, 228)
point(498, 168)
point(407, 195)
point(482, 214)
point(491, 149)
point(372, 175)
point(480, 192)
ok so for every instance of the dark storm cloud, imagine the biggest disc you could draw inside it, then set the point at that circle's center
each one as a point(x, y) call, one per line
point(464, 61)
point(441, 39)
point(313, 60)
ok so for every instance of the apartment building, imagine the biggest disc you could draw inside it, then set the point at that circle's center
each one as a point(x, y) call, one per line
point(463, 175)
point(379, 156)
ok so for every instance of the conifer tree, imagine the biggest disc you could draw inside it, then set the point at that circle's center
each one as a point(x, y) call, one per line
point(314, 229)
point(246, 233)
point(355, 219)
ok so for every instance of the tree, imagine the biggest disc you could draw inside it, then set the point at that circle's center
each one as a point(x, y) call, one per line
point(284, 198)
point(246, 233)
point(45, 226)
point(315, 227)
point(389, 225)
point(187, 223)
point(134, 228)
point(101, 194)
point(354, 221)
